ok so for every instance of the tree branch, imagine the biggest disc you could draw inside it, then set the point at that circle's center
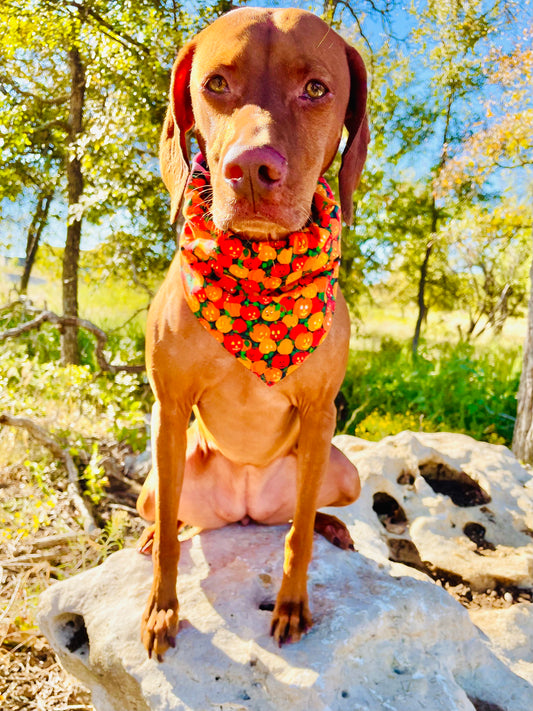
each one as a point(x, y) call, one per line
point(51, 101)
point(359, 27)
point(101, 337)
point(119, 34)
point(45, 438)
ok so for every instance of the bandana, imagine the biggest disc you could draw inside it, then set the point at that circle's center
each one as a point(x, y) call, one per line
point(269, 303)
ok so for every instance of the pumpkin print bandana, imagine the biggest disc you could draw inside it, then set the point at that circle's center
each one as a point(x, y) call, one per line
point(269, 303)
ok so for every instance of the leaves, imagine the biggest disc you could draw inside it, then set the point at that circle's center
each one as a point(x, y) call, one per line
point(502, 139)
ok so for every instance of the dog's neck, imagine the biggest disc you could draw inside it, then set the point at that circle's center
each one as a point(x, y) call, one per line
point(269, 303)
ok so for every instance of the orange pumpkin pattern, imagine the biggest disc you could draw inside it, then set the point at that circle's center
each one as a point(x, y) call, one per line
point(269, 303)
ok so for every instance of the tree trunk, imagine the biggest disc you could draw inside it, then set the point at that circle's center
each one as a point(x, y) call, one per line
point(35, 231)
point(422, 308)
point(69, 340)
point(523, 430)
point(328, 10)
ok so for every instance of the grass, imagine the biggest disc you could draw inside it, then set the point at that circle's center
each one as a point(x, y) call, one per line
point(452, 385)
point(455, 388)
point(382, 318)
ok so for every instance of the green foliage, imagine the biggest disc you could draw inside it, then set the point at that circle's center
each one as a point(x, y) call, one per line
point(94, 477)
point(114, 534)
point(75, 400)
point(377, 425)
point(24, 515)
point(446, 388)
point(126, 50)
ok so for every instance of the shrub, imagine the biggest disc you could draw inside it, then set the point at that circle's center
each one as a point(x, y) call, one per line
point(447, 387)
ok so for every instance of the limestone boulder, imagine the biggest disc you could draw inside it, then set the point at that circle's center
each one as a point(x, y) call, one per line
point(445, 504)
point(386, 637)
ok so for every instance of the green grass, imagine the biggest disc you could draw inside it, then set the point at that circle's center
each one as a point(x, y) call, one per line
point(452, 386)
point(456, 388)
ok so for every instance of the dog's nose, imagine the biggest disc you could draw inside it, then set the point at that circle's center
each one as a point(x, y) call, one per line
point(262, 168)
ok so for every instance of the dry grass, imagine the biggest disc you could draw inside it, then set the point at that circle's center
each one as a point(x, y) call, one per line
point(32, 679)
point(386, 319)
point(42, 541)
point(30, 675)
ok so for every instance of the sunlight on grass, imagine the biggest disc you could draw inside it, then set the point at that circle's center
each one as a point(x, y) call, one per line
point(391, 321)
point(108, 303)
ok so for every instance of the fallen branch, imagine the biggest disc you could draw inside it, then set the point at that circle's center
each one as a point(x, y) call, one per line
point(28, 559)
point(60, 539)
point(101, 337)
point(45, 438)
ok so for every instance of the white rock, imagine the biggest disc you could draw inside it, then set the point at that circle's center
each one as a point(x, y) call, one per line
point(510, 632)
point(382, 640)
point(434, 523)
point(378, 642)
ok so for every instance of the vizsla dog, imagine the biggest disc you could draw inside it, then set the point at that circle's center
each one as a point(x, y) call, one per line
point(248, 330)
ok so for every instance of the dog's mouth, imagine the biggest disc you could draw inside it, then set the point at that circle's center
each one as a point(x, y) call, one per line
point(263, 221)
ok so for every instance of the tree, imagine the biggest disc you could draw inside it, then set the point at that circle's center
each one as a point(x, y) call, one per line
point(501, 145)
point(450, 37)
point(492, 249)
point(71, 253)
point(35, 231)
point(425, 96)
point(85, 126)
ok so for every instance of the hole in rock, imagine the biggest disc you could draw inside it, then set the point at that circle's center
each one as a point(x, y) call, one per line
point(404, 551)
point(488, 513)
point(73, 633)
point(406, 478)
point(267, 605)
point(480, 705)
point(461, 488)
point(476, 533)
point(389, 512)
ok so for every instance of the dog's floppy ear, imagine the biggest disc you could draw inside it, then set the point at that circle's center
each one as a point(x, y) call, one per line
point(179, 119)
point(354, 154)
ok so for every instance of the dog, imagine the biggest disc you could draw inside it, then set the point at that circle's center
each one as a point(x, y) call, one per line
point(248, 330)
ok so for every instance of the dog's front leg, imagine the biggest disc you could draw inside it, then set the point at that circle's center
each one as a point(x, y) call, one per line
point(160, 619)
point(291, 617)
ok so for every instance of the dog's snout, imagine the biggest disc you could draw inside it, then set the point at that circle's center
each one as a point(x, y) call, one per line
point(260, 169)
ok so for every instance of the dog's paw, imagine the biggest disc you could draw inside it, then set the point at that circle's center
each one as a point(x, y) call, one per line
point(290, 620)
point(334, 531)
point(159, 627)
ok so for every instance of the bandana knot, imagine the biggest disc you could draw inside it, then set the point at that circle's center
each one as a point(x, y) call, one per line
point(269, 303)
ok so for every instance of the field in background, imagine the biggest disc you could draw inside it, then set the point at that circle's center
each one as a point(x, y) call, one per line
point(106, 300)
point(452, 385)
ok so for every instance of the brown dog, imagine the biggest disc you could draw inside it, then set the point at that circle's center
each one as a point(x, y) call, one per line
point(268, 92)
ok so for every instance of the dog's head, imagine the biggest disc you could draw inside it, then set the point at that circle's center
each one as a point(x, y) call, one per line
point(268, 93)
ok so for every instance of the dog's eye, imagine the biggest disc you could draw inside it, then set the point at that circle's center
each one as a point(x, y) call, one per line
point(217, 84)
point(314, 89)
